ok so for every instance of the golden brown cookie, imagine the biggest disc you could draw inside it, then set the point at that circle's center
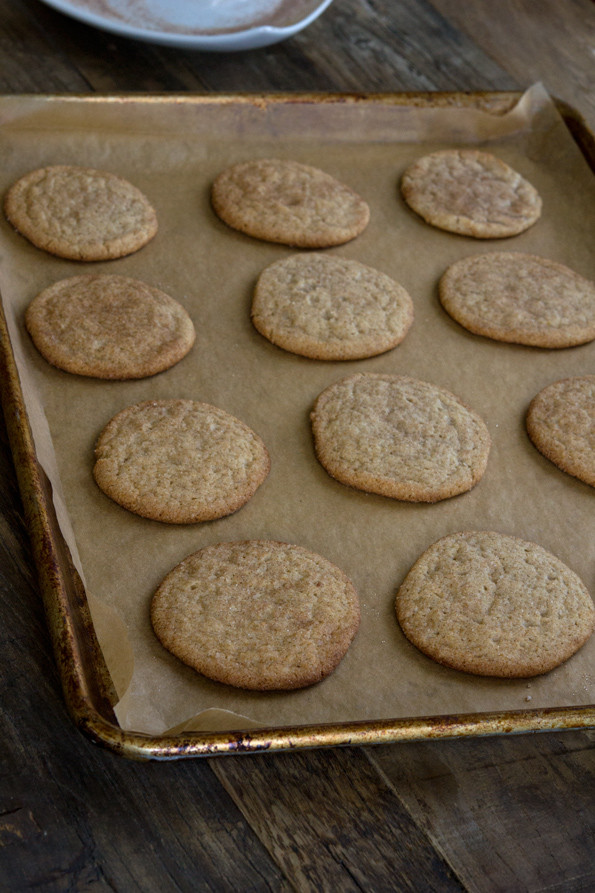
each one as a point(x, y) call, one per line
point(470, 192)
point(330, 308)
point(288, 202)
point(109, 327)
point(179, 461)
point(520, 298)
point(561, 423)
point(399, 437)
point(80, 213)
point(257, 615)
point(494, 605)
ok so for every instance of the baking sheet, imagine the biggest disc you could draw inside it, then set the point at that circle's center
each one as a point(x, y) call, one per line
point(172, 147)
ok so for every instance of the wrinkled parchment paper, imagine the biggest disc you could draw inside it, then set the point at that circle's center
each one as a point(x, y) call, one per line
point(172, 148)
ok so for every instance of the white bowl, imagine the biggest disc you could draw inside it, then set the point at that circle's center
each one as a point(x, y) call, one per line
point(209, 25)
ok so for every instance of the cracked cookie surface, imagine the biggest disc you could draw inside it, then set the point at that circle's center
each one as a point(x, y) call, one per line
point(400, 437)
point(257, 615)
point(179, 461)
point(80, 213)
point(284, 201)
point(494, 605)
point(472, 193)
point(520, 298)
point(330, 308)
point(111, 327)
point(561, 424)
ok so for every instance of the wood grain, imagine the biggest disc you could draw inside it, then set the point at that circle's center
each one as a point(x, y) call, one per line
point(28, 62)
point(509, 814)
point(549, 41)
point(327, 835)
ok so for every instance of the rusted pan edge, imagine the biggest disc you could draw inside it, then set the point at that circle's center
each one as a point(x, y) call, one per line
point(379, 732)
point(494, 102)
point(83, 672)
point(86, 684)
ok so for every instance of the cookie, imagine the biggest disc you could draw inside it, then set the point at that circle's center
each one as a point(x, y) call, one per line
point(288, 202)
point(80, 213)
point(471, 193)
point(330, 308)
point(109, 327)
point(520, 298)
point(561, 424)
point(179, 461)
point(257, 615)
point(494, 605)
point(399, 437)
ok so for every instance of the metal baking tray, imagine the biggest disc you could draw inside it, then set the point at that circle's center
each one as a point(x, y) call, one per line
point(88, 689)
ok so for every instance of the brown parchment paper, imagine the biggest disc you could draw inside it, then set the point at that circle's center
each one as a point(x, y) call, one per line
point(172, 147)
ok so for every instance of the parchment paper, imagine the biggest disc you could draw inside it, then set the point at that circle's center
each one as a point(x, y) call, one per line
point(172, 148)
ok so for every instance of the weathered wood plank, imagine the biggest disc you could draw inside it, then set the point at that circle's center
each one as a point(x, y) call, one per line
point(331, 822)
point(508, 813)
point(29, 63)
point(549, 41)
point(399, 46)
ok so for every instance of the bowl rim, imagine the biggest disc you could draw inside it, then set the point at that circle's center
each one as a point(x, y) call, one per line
point(232, 40)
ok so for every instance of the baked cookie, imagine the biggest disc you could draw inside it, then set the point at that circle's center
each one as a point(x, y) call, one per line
point(399, 437)
point(179, 461)
point(109, 327)
point(80, 213)
point(494, 605)
point(472, 193)
point(257, 615)
point(520, 298)
point(288, 202)
point(561, 423)
point(330, 308)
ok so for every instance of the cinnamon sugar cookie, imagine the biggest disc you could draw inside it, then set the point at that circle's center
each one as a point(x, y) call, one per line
point(109, 327)
point(179, 461)
point(399, 437)
point(561, 424)
point(288, 202)
point(330, 308)
point(257, 615)
point(520, 298)
point(80, 213)
point(494, 605)
point(472, 193)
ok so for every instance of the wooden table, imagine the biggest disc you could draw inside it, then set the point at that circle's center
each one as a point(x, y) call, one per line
point(495, 814)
